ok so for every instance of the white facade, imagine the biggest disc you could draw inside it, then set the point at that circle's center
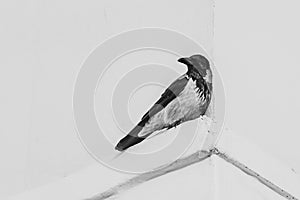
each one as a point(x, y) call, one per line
point(43, 44)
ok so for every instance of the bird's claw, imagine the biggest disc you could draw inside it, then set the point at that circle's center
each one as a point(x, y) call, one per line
point(215, 151)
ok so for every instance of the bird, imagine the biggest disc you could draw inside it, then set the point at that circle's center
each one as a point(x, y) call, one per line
point(186, 99)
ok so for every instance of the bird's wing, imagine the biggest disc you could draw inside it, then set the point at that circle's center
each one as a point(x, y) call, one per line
point(170, 94)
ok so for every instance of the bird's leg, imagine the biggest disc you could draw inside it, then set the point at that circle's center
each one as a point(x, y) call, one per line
point(174, 124)
point(177, 123)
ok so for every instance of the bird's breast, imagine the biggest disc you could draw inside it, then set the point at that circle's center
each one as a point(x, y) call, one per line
point(188, 105)
point(191, 99)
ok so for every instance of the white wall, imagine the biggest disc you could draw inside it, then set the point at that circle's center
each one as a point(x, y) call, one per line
point(43, 44)
point(257, 52)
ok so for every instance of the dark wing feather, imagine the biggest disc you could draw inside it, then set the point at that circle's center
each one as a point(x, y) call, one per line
point(170, 94)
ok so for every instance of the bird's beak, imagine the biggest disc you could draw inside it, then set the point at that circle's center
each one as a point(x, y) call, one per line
point(186, 61)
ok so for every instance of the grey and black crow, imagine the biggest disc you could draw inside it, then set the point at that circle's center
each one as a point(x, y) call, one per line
point(187, 98)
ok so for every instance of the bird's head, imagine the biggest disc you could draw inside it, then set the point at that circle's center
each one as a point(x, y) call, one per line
point(198, 64)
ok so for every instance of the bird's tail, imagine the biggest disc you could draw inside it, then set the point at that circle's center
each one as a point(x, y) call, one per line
point(131, 139)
